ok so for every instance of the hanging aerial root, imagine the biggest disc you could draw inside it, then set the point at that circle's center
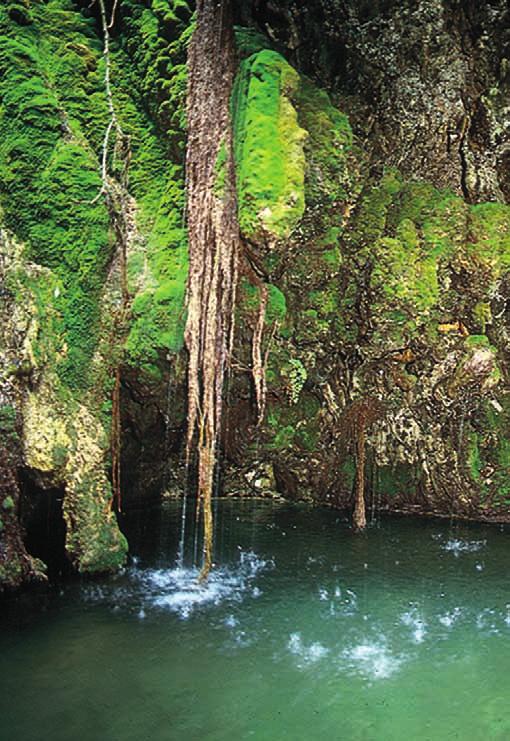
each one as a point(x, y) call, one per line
point(359, 518)
point(356, 422)
point(116, 443)
point(258, 370)
point(213, 237)
point(121, 209)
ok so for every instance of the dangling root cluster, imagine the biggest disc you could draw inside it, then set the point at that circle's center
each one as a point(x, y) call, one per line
point(214, 244)
point(258, 364)
point(116, 442)
point(120, 205)
point(356, 423)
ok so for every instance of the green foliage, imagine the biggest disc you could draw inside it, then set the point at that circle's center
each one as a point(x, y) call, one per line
point(295, 426)
point(160, 65)
point(8, 504)
point(220, 169)
point(276, 305)
point(477, 340)
point(370, 223)
point(7, 419)
point(53, 118)
point(295, 375)
point(413, 236)
point(52, 122)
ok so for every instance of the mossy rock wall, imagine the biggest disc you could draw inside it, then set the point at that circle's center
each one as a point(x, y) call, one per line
point(72, 326)
point(391, 287)
point(388, 277)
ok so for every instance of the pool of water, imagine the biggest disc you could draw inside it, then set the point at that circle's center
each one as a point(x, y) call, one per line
point(304, 631)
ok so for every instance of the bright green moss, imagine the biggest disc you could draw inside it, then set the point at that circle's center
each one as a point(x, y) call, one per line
point(370, 222)
point(268, 143)
point(474, 460)
point(276, 309)
point(276, 305)
point(416, 203)
point(64, 229)
point(407, 234)
point(490, 228)
point(158, 273)
point(405, 276)
point(49, 174)
point(325, 301)
point(444, 230)
point(411, 234)
point(477, 340)
point(53, 117)
point(261, 91)
point(160, 65)
point(329, 142)
point(482, 314)
point(249, 41)
point(158, 308)
point(220, 170)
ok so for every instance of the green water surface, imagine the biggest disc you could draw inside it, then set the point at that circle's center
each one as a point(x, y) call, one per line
point(305, 631)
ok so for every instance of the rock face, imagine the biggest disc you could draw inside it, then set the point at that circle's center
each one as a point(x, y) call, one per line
point(394, 279)
point(423, 80)
point(16, 565)
point(372, 149)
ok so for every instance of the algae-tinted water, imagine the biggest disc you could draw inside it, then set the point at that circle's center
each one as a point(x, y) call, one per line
point(304, 631)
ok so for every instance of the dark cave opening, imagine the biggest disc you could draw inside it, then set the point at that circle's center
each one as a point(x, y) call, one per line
point(43, 525)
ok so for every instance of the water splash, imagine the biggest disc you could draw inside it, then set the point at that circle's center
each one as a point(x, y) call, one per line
point(458, 546)
point(415, 621)
point(306, 654)
point(372, 660)
point(451, 617)
point(179, 591)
